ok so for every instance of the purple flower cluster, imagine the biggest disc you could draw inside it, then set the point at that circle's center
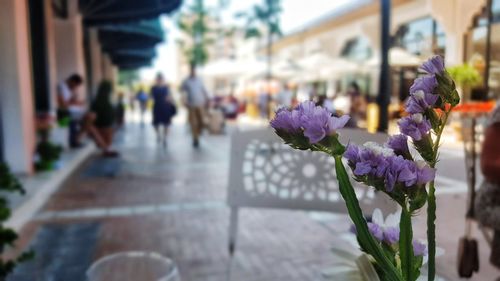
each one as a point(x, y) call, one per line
point(434, 65)
point(389, 235)
point(399, 144)
point(380, 163)
point(425, 83)
point(316, 122)
point(416, 126)
point(421, 99)
point(419, 248)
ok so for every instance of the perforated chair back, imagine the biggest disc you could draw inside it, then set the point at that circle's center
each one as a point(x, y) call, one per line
point(266, 173)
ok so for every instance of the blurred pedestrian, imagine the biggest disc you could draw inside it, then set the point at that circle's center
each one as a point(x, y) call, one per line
point(104, 118)
point(284, 97)
point(196, 100)
point(357, 107)
point(70, 109)
point(142, 98)
point(231, 107)
point(163, 108)
point(120, 110)
point(487, 204)
point(264, 103)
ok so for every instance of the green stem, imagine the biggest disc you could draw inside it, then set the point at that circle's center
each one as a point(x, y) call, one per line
point(406, 246)
point(431, 231)
point(355, 213)
point(431, 207)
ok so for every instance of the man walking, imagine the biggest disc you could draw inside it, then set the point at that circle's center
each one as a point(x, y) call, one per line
point(196, 100)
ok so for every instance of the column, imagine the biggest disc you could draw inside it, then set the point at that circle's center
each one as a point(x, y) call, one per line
point(108, 69)
point(69, 44)
point(456, 18)
point(51, 55)
point(16, 92)
point(96, 58)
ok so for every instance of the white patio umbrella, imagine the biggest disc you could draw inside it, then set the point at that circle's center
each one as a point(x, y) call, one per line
point(397, 57)
point(223, 68)
point(312, 65)
point(338, 66)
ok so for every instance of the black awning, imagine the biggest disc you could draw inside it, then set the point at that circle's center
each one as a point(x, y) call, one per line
point(121, 60)
point(99, 12)
point(133, 35)
point(139, 53)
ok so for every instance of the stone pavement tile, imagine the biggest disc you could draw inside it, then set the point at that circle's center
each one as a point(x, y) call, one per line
point(63, 252)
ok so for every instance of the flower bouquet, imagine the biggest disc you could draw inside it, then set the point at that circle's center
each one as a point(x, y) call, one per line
point(407, 179)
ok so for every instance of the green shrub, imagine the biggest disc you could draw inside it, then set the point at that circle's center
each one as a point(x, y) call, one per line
point(8, 184)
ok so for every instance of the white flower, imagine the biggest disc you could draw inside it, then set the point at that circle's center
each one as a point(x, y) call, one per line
point(392, 220)
point(378, 149)
point(418, 118)
point(419, 95)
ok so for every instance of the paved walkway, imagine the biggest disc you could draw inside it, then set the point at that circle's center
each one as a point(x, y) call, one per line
point(172, 201)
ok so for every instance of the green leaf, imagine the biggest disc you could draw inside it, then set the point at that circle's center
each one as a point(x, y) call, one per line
point(406, 246)
point(418, 197)
point(252, 32)
point(367, 241)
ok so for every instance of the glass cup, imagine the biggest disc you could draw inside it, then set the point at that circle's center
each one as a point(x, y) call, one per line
point(133, 266)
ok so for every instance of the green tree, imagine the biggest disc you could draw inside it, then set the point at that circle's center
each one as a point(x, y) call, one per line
point(264, 20)
point(128, 77)
point(194, 22)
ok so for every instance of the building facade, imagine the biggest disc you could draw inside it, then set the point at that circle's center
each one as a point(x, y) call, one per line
point(42, 42)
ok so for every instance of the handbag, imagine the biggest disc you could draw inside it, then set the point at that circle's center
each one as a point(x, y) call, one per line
point(468, 253)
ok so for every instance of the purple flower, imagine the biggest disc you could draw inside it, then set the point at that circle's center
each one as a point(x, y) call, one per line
point(315, 121)
point(425, 173)
point(391, 235)
point(362, 168)
point(434, 65)
point(408, 174)
point(306, 108)
point(376, 231)
point(286, 120)
point(425, 83)
point(381, 164)
point(319, 123)
point(419, 101)
point(398, 143)
point(352, 153)
point(419, 248)
point(396, 164)
point(416, 126)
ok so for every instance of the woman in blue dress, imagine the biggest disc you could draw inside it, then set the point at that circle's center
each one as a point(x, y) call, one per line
point(163, 108)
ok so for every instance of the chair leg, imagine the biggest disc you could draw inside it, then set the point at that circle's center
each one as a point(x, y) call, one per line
point(233, 232)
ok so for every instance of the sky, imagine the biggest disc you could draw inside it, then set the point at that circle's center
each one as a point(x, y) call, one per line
point(296, 13)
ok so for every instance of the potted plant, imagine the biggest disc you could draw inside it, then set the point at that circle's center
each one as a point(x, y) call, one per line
point(8, 184)
point(47, 153)
point(467, 77)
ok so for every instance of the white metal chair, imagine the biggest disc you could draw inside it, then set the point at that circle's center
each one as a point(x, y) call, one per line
point(266, 173)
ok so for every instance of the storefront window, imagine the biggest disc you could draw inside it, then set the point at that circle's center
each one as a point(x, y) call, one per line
point(357, 49)
point(494, 63)
point(423, 37)
point(495, 9)
point(484, 53)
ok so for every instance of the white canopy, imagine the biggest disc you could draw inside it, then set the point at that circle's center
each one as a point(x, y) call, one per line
point(231, 68)
point(323, 66)
point(397, 57)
